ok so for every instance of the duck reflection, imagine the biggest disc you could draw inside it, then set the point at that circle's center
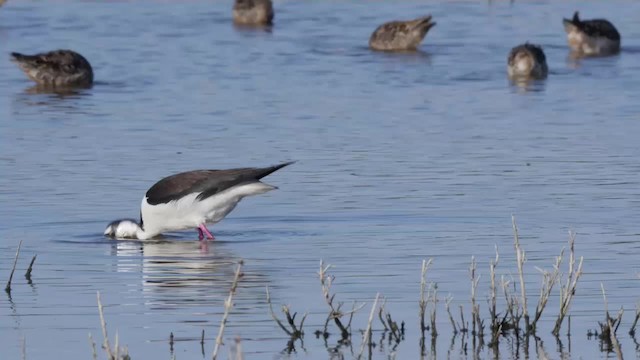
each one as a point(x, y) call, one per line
point(523, 85)
point(59, 101)
point(60, 92)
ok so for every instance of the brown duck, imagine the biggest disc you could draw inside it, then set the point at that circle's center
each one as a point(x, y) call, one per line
point(400, 35)
point(527, 61)
point(591, 37)
point(59, 68)
point(253, 12)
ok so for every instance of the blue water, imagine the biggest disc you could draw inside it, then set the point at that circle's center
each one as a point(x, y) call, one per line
point(401, 157)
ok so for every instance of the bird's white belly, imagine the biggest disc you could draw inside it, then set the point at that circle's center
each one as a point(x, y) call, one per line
point(218, 213)
point(190, 212)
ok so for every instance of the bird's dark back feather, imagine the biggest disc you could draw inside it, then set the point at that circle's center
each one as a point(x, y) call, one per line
point(205, 182)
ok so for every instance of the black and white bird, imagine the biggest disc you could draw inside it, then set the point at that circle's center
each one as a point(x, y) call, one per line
point(58, 68)
point(591, 37)
point(192, 199)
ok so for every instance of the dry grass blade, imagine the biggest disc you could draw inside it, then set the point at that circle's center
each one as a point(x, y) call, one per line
point(335, 310)
point(447, 303)
point(228, 304)
point(548, 281)
point(24, 348)
point(366, 337)
point(202, 343)
point(296, 330)
point(395, 331)
point(494, 293)
point(463, 326)
point(274, 316)
point(381, 314)
point(514, 312)
point(105, 344)
point(476, 321)
point(30, 269)
point(434, 309)
point(608, 328)
point(632, 330)
point(15, 262)
point(521, 259)
point(568, 290)
point(117, 345)
point(120, 353)
point(94, 352)
point(423, 293)
point(238, 354)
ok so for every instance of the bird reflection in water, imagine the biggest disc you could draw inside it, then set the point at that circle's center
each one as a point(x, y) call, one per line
point(524, 85)
point(179, 272)
point(60, 91)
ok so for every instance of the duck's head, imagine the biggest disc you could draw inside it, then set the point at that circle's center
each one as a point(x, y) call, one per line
point(527, 61)
point(124, 229)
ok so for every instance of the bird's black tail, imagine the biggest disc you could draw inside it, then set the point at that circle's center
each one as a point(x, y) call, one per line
point(269, 170)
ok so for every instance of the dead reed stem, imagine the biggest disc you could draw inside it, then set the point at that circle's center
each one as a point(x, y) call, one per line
point(548, 281)
point(521, 259)
point(228, 304)
point(396, 333)
point(239, 353)
point(27, 275)
point(423, 293)
point(15, 262)
point(464, 327)
point(475, 308)
point(434, 309)
point(632, 330)
point(94, 353)
point(447, 302)
point(202, 343)
point(120, 353)
point(568, 290)
point(366, 337)
point(335, 311)
point(494, 293)
point(611, 329)
point(296, 331)
point(105, 343)
point(514, 311)
point(275, 318)
point(117, 345)
point(381, 314)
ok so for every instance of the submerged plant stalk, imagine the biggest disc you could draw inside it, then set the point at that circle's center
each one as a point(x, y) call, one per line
point(15, 262)
point(228, 304)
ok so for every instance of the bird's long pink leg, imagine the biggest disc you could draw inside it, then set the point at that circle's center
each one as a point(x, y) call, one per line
point(203, 229)
point(200, 234)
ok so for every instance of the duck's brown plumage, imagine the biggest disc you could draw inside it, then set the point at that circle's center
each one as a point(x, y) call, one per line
point(592, 37)
point(527, 61)
point(56, 68)
point(253, 12)
point(400, 35)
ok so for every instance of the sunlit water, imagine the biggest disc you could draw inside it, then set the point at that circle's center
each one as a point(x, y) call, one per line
point(401, 157)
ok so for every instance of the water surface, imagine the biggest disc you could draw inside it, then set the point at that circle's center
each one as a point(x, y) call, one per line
point(401, 157)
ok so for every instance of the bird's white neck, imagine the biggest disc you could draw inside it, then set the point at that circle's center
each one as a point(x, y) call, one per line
point(126, 229)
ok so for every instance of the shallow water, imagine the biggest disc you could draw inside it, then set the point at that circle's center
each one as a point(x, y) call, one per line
point(401, 157)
